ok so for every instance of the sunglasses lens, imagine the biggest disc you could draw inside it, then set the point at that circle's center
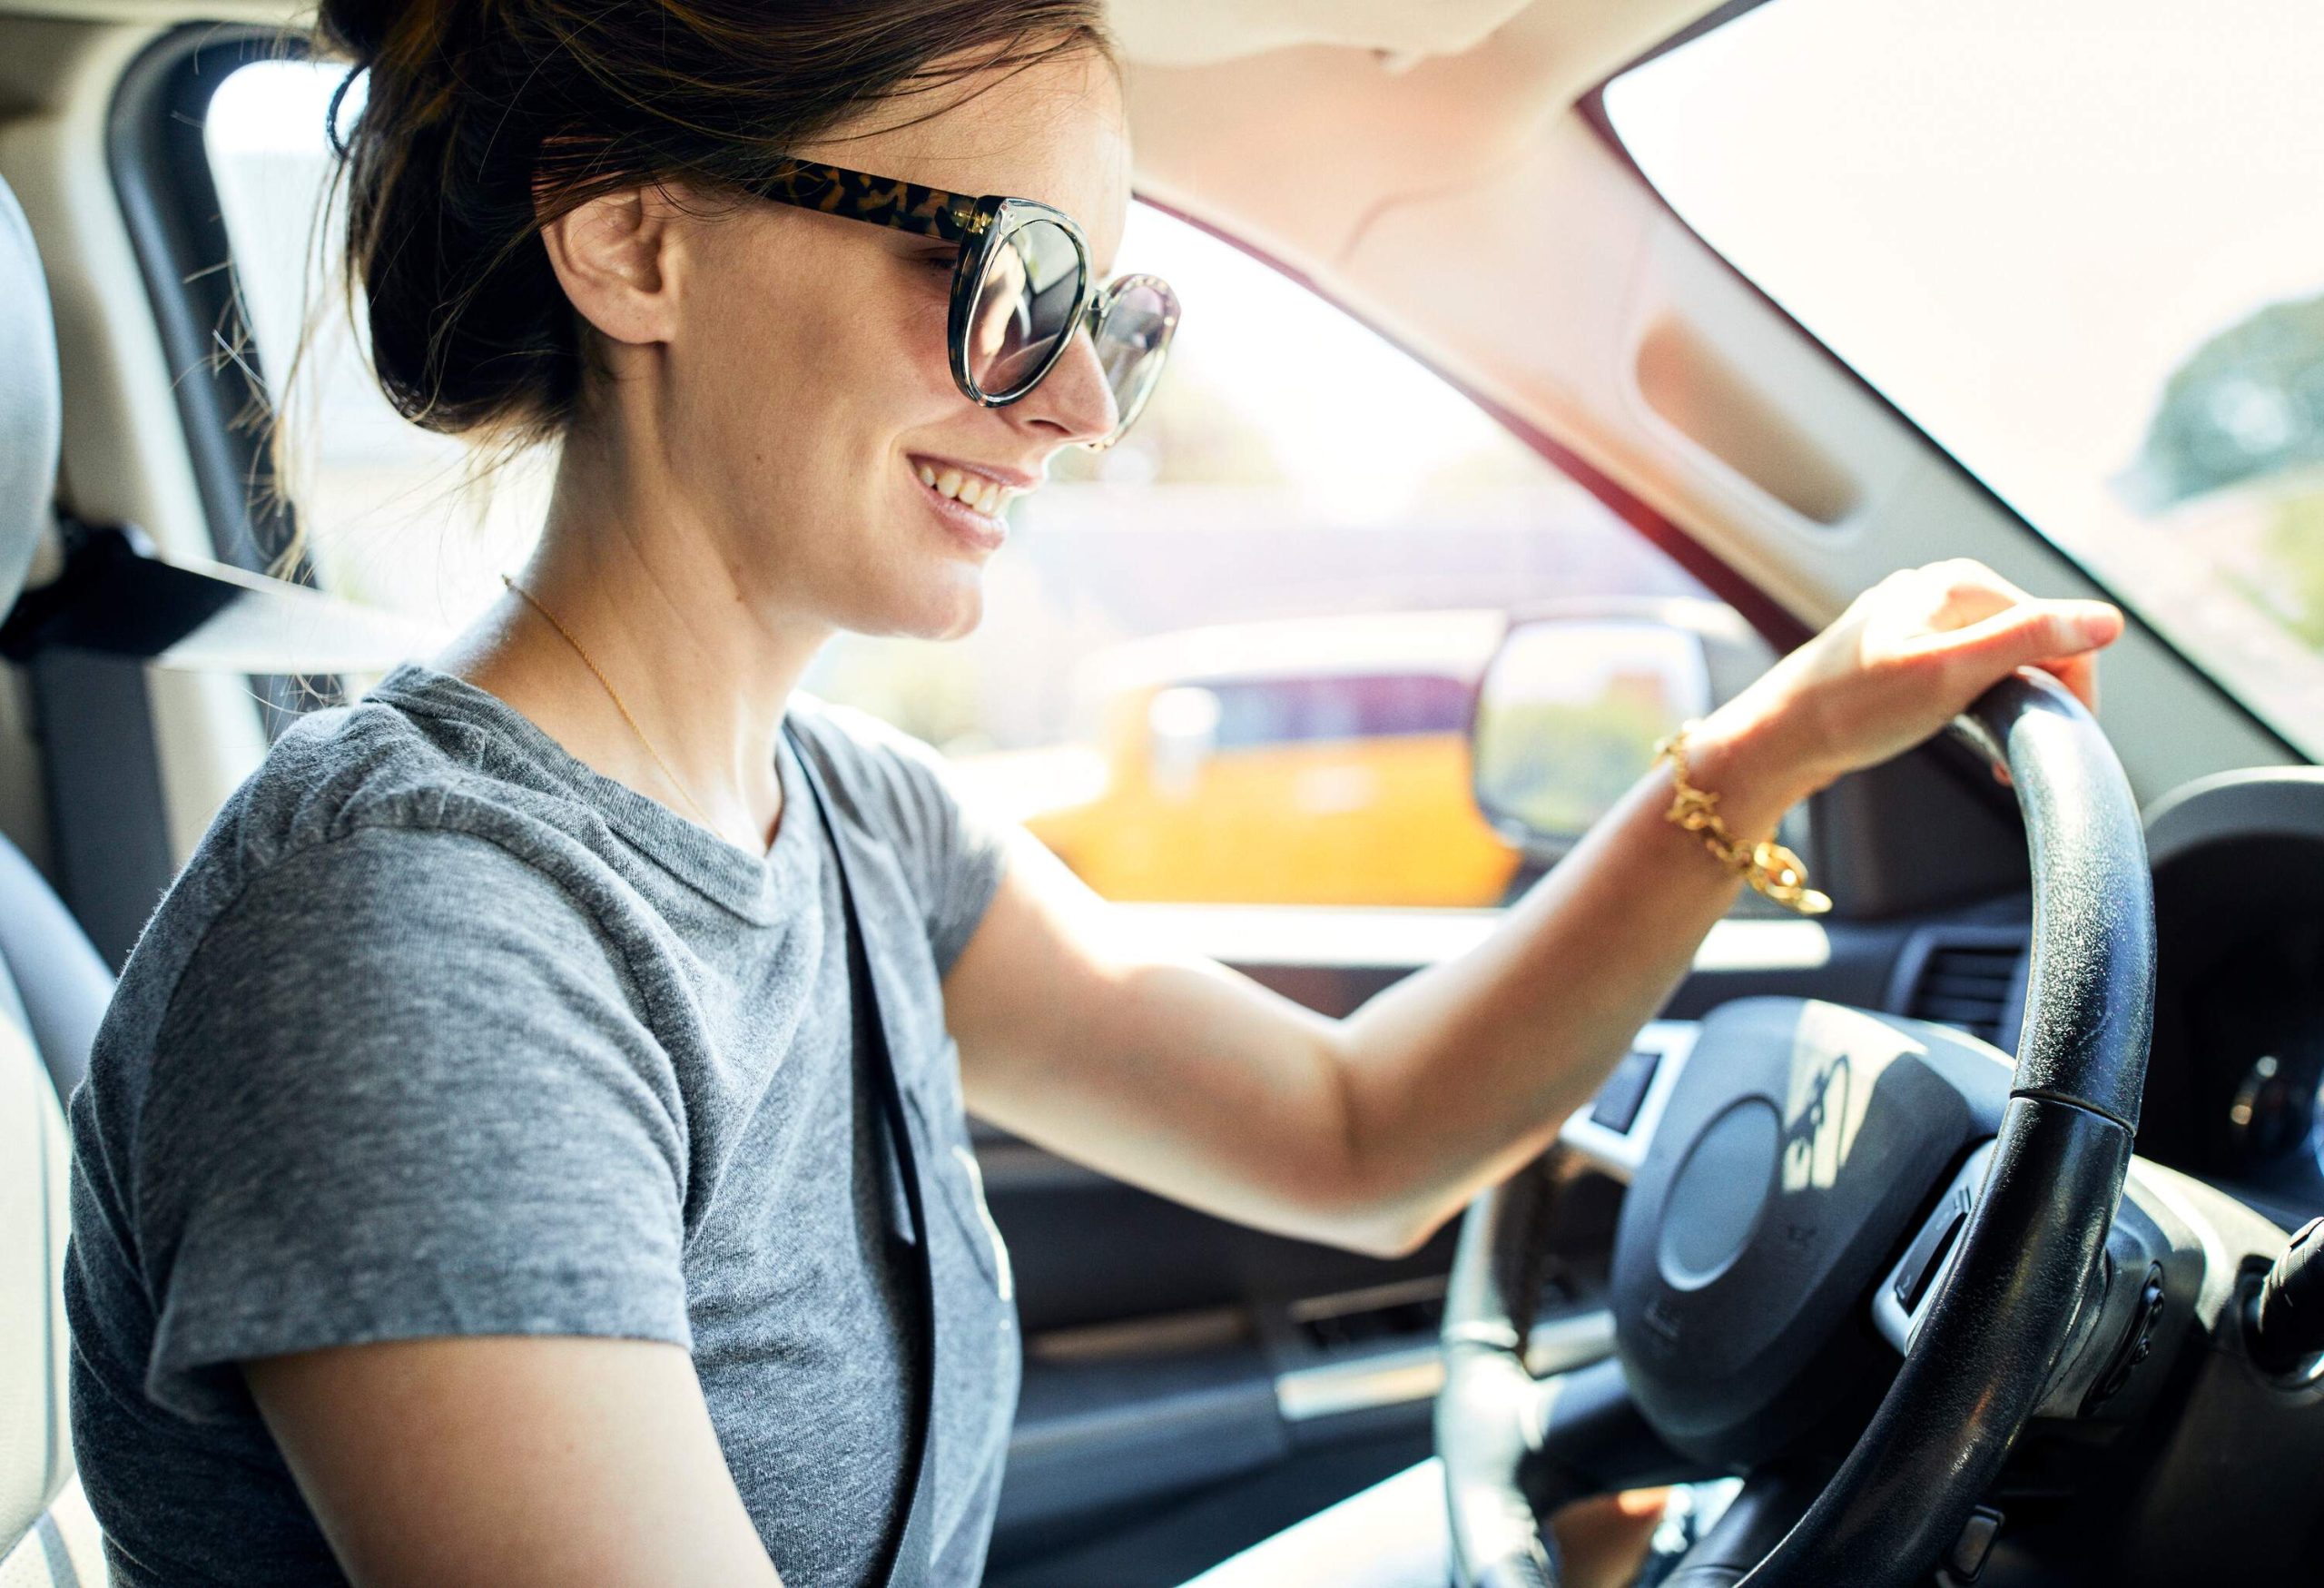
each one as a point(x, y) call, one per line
point(1133, 341)
point(1023, 308)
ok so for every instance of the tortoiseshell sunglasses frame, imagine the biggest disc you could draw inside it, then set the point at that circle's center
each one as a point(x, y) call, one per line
point(977, 224)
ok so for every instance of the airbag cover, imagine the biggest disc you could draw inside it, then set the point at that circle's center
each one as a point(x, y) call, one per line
point(1800, 1145)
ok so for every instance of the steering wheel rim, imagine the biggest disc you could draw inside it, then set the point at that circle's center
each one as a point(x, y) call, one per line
point(1980, 1360)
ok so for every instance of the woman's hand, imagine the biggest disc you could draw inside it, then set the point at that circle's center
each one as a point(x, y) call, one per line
point(1907, 656)
point(1602, 1540)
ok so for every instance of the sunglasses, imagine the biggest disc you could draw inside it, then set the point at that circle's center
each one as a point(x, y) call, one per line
point(1020, 286)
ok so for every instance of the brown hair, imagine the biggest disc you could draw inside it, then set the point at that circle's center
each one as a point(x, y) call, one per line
point(485, 118)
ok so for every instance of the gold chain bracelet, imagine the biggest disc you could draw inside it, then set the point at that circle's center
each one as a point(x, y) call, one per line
point(1766, 865)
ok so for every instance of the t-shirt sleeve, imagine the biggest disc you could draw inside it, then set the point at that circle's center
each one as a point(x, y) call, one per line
point(401, 1090)
point(953, 853)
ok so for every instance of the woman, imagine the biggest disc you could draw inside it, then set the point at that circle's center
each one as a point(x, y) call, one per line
point(488, 1174)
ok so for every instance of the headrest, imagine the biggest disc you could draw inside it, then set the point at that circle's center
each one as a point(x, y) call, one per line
point(30, 406)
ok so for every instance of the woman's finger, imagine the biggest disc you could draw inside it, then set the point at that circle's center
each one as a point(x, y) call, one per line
point(2078, 673)
point(2027, 634)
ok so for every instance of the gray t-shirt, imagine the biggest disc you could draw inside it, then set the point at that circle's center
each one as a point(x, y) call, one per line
point(441, 1033)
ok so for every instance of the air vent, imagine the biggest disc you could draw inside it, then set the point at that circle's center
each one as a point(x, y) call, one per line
point(1967, 979)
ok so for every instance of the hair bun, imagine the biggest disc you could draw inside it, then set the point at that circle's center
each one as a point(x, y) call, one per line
point(359, 28)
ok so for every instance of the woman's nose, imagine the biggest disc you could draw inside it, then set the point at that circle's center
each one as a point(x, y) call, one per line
point(1074, 397)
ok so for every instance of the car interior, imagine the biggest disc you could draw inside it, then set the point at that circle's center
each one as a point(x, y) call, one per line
point(2029, 1294)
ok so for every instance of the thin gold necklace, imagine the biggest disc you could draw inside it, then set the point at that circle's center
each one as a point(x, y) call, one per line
point(615, 695)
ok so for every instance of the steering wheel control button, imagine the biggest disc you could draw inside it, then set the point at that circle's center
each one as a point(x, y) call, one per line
point(1722, 1190)
point(1917, 1272)
point(1619, 1098)
point(1965, 1560)
point(1901, 1301)
point(2138, 1341)
point(1612, 1131)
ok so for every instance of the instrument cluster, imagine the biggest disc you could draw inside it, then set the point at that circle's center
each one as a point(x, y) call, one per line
point(2235, 1087)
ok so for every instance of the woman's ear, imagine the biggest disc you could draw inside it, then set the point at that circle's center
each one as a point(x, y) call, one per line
point(615, 256)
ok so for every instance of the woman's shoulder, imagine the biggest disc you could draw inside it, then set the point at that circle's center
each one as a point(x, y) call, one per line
point(426, 766)
point(371, 765)
point(366, 830)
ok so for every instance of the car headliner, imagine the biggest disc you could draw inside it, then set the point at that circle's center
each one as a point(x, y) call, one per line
point(1357, 64)
point(1159, 32)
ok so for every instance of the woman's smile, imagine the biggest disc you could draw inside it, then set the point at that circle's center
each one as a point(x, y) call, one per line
point(969, 500)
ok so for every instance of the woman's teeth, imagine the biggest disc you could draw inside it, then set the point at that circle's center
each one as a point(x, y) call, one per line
point(972, 490)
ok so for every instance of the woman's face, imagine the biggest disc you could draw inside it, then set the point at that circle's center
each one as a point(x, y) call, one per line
point(806, 394)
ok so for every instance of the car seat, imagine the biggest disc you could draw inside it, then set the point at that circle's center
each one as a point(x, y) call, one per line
point(52, 992)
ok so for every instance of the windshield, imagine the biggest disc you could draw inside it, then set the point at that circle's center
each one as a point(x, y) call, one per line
point(2080, 245)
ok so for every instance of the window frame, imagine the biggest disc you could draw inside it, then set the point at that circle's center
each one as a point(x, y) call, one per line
point(157, 155)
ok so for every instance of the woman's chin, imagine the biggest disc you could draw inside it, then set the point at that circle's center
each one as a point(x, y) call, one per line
point(965, 625)
point(947, 605)
point(932, 587)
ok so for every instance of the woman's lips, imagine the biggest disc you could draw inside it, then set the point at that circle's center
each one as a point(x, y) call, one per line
point(984, 531)
point(972, 500)
point(979, 488)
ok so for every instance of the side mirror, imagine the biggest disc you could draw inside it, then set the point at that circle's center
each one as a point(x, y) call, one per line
point(1569, 706)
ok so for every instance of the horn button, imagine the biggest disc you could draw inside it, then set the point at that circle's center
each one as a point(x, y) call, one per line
point(1719, 1193)
point(1797, 1148)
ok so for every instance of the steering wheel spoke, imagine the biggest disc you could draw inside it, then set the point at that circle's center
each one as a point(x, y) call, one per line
point(1589, 1437)
point(1517, 1447)
point(1769, 1505)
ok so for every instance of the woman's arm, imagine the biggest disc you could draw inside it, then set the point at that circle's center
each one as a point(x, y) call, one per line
point(511, 1462)
point(1177, 1074)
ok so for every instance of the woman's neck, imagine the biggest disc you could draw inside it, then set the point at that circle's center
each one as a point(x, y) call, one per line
point(703, 676)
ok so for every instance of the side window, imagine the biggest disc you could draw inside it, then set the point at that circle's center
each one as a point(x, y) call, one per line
point(1231, 659)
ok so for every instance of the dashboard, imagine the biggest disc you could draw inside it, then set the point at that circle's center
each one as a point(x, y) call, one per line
point(2235, 1078)
point(2238, 1061)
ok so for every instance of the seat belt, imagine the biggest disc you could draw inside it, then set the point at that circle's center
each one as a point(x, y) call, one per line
point(106, 590)
point(910, 1565)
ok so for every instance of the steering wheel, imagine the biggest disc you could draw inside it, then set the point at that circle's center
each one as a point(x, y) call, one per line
point(1800, 1146)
